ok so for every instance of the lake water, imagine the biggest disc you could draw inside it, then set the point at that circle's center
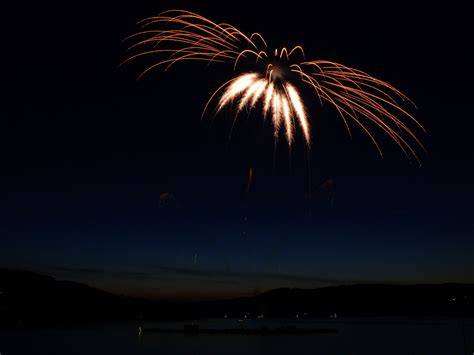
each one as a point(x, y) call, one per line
point(355, 337)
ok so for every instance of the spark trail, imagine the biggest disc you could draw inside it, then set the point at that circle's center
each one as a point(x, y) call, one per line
point(361, 100)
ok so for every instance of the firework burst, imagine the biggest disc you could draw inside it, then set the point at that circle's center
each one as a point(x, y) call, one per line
point(176, 36)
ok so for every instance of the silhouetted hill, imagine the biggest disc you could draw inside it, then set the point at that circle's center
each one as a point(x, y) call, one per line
point(363, 300)
point(34, 298)
point(353, 300)
point(31, 297)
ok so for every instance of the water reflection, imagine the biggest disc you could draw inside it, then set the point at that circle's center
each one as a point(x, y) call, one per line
point(382, 336)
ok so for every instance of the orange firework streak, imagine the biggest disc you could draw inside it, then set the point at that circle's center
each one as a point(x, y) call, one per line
point(180, 35)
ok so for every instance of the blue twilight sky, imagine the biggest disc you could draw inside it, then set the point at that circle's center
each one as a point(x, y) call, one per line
point(120, 185)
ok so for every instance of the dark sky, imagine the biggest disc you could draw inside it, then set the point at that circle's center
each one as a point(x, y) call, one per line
point(86, 151)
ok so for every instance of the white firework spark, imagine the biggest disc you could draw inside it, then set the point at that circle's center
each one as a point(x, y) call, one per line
point(359, 98)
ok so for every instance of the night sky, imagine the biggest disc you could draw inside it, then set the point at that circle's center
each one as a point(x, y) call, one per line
point(118, 183)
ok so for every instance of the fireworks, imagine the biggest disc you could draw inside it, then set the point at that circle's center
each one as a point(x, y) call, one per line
point(275, 84)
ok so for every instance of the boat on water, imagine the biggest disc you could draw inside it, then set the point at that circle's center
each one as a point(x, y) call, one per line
point(195, 329)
